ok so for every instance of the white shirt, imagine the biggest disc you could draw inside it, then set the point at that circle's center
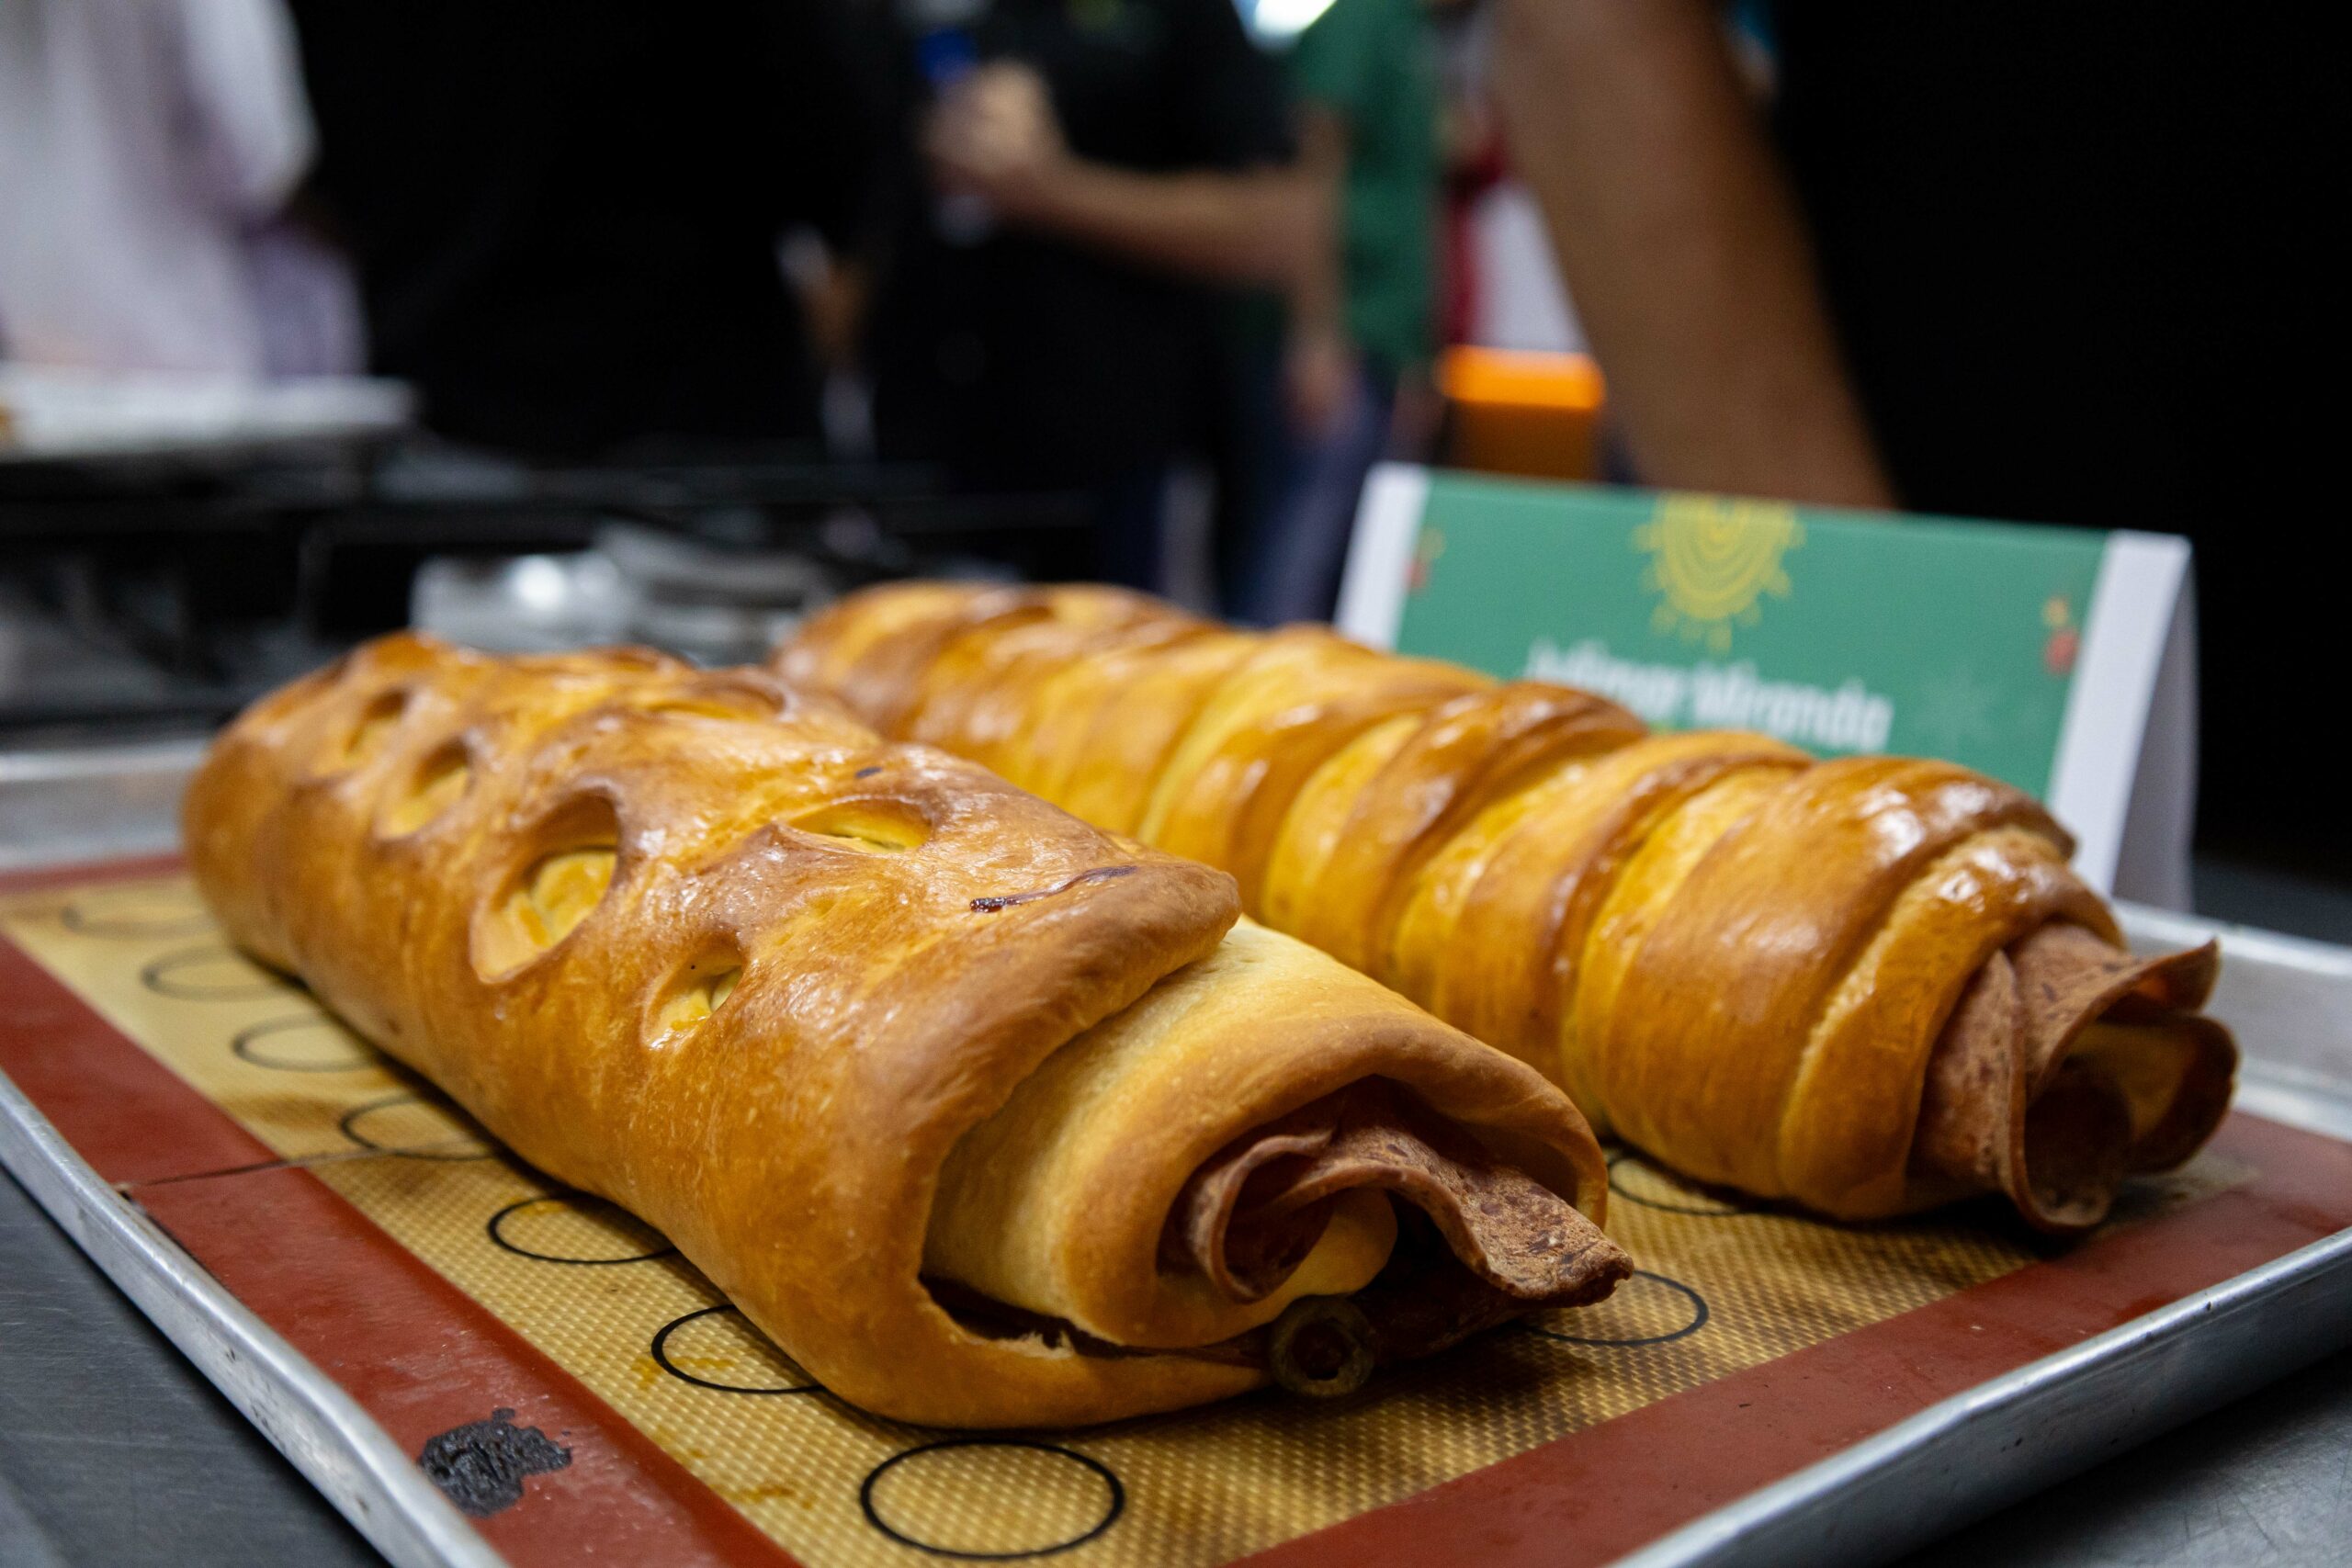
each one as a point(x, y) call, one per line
point(143, 145)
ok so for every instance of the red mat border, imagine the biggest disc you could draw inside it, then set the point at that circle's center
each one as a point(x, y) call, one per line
point(418, 1354)
point(421, 1357)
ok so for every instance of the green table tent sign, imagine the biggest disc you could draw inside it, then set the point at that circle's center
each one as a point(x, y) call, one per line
point(2037, 654)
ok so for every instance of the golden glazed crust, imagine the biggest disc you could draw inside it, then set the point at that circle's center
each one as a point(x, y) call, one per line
point(1749, 964)
point(715, 950)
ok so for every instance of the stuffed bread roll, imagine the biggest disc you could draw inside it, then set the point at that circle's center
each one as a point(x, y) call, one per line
point(986, 1116)
point(1866, 985)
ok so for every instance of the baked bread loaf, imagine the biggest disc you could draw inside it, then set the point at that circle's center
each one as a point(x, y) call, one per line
point(986, 1116)
point(1866, 985)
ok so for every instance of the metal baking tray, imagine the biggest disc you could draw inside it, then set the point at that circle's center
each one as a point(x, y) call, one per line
point(2290, 1001)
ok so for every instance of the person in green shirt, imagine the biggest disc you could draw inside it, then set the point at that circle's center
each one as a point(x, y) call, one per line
point(1365, 75)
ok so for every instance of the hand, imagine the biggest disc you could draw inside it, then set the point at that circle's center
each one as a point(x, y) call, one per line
point(1319, 371)
point(994, 134)
point(1419, 417)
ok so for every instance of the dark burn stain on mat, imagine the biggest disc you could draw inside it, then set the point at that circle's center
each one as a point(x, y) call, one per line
point(481, 1465)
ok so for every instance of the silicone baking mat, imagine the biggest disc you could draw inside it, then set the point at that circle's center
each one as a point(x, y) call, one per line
point(501, 1327)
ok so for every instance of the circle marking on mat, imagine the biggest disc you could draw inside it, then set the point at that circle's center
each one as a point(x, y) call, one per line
point(669, 1349)
point(253, 1045)
point(953, 1481)
point(195, 975)
point(1695, 1304)
point(1653, 1189)
point(460, 1139)
point(131, 912)
point(573, 1227)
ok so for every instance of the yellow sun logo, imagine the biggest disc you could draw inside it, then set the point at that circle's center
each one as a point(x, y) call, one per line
point(1711, 559)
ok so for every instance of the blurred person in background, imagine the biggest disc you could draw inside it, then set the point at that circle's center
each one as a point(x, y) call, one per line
point(1363, 304)
point(150, 151)
point(1989, 257)
point(1471, 145)
point(1082, 174)
point(566, 214)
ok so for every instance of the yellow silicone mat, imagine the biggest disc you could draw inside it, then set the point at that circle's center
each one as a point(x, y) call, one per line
point(1721, 1290)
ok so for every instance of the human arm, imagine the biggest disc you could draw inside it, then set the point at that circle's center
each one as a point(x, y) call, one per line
point(245, 115)
point(1683, 249)
point(1319, 358)
point(995, 134)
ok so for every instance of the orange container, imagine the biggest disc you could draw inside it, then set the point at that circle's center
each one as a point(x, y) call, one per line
point(1512, 411)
